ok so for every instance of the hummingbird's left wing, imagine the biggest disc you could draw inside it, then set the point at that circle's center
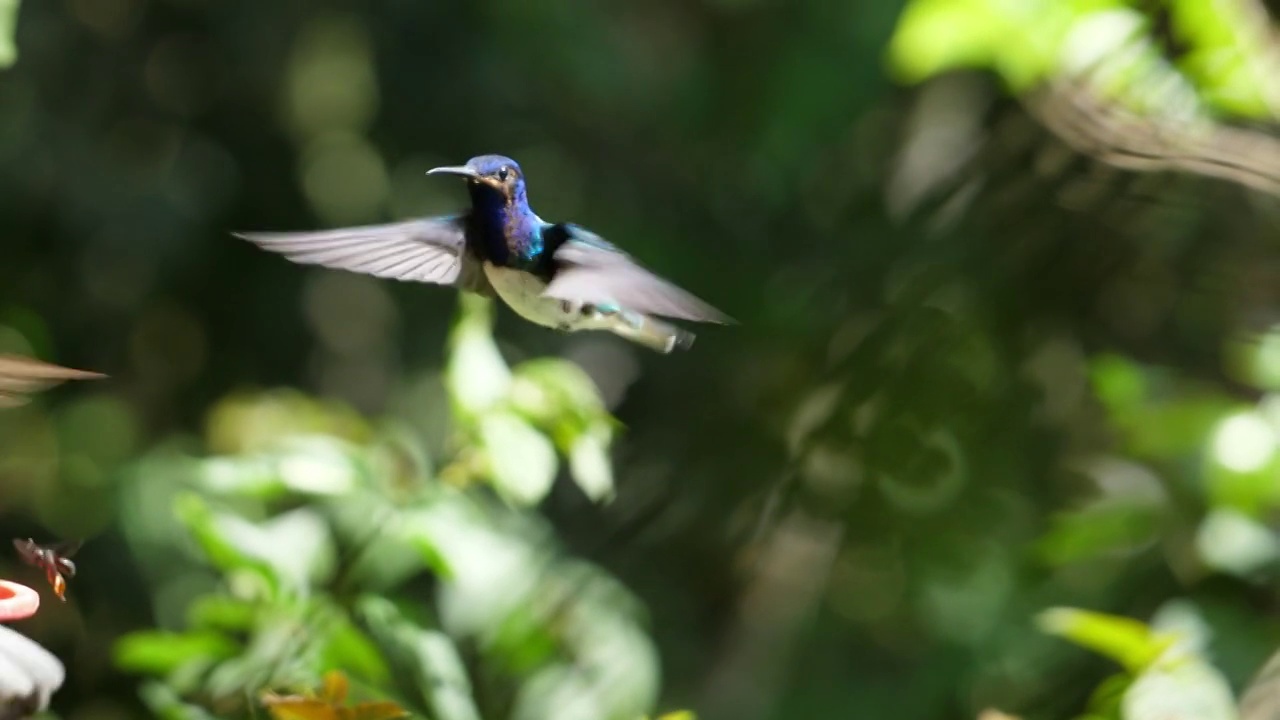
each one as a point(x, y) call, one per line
point(21, 376)
point(589, 269)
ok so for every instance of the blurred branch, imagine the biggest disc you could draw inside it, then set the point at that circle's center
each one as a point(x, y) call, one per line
point(21, 376)
point(1124, 139)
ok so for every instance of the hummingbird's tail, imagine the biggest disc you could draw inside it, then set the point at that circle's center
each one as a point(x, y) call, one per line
point(651, 332)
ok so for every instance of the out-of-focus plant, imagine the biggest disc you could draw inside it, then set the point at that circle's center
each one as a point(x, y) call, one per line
point(1225, 62)
point(8, 26)
point(1166, 675)
point(332, 544)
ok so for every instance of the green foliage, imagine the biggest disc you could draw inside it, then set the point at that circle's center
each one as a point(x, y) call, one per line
point(319, 538)
point(1166, 675)
point(8, 27)
point(1029, 42)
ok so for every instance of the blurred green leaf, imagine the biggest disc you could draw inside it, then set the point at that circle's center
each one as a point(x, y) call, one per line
point(165, 704)
point(8, 26)
point(521, 459)
point(1126, 641)
point(591, 465)
point(430, 659)
point(477, 376)
point(203, 523)
point(221, 613)
point(350, 649)
point(1103, 527)
point(292, 548)
point(548, 389)
point(158, 652)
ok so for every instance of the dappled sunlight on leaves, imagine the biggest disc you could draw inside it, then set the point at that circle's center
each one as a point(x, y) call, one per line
point(295, 594)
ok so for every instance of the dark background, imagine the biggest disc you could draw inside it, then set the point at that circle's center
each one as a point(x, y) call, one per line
point(961, 334)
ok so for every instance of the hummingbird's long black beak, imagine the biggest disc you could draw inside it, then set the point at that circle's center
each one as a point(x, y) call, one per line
point(462, 170)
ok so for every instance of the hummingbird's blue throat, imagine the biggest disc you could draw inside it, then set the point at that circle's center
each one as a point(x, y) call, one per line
point(512, 232)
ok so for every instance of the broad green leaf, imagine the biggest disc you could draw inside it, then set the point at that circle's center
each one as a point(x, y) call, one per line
point(435, 665)
point(1129, 642)
point(1105, 527)
point(349, 648)
point(157, 652)
point(318, 465)
point(254, 477)
point(477, 377)
point(221, 613)
point(223, 554)
point(294, 547)
point(591, 465)
point(521, 459)
point(547, 389)
point(166, 704)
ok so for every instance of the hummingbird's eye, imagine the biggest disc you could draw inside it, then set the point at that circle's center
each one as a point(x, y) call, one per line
point(504, 173)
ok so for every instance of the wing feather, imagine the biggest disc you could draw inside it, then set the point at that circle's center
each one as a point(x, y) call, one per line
point(430, 250)
point(22, 376)
point(590, 270)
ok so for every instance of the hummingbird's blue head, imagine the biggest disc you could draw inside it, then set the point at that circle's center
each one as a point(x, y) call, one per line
point(496, 172)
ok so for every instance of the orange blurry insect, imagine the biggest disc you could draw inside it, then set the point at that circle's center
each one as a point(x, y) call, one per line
point(54, 560)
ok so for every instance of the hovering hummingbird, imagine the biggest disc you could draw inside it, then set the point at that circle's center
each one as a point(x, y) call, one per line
point(20, 376)
point(557, 275)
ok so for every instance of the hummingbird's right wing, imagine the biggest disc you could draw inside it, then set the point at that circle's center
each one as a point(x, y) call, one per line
point(589, 269)
point(21, 376)
point(427, 250)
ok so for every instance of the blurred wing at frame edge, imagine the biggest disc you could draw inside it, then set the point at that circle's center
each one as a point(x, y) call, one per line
point(22, 376)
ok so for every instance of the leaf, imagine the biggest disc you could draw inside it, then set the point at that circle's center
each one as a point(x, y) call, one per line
point(1107, 526)
point(350, 649)
point(521, 459)
point(1187, 688)
point(548, 389)
point(293, 707)
point(222, 613)
point(196, 515)
point(166, 704)
point(8, 25)
point(294, 547)
point(156, 652)
point(477, 377)
point(1129, 642)
point(430, 657)
point(590, 464)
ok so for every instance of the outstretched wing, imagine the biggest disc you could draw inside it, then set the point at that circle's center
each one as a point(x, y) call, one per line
point(22, 376)
point(588, 269)
point(428, 250)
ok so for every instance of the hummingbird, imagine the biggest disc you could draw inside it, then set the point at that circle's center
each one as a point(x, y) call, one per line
point(557, 275)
